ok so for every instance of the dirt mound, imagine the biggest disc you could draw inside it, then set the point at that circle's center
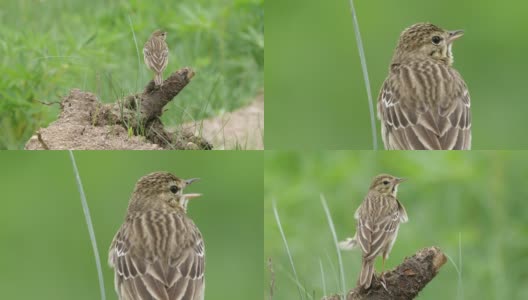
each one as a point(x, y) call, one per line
point(129, 124)
point(239, 129)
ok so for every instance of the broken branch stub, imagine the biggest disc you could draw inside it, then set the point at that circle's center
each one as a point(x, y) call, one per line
point(154, 98)
point(403, 282)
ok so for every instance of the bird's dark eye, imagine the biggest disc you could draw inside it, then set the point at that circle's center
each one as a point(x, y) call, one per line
point(436, 39)
point(174, 189)
point(385, 182)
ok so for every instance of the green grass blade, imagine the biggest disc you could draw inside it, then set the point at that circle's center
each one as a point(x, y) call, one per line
point(277, 218)
point(323, 279)
point(365, 75)
point(89, 223)
point(334, 236)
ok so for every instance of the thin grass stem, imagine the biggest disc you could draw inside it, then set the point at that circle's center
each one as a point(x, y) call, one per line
point(365, 75)
point(334, 236)
point(139, 79)
point(89, 223)
point(277, 218)
point(323, 277)
point(458, 268)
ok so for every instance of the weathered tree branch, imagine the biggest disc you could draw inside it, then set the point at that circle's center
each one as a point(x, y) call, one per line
point(403, 282)
point(154, 98)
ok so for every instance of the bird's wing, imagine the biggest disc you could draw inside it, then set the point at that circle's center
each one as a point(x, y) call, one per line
point(409, 121)
point(402, 212)
point(156, 54)
point(150, 267)
point(376, 224)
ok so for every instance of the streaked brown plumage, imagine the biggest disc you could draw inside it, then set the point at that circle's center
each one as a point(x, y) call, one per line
point(378, 220)
point(156, 54)
point(424, 103)
point(158, 253)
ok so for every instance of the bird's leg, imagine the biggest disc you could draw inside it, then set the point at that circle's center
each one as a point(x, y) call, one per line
point(382, 275)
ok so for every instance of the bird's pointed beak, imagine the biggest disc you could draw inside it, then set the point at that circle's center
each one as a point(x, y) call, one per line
point(400, 180)
point(454, 34)
point(191, 196)
point(189, 181)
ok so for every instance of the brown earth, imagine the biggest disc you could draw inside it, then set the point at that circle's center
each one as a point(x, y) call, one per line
point(87, 124)
point(239, 129)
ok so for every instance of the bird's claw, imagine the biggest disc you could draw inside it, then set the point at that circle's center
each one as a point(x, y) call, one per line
point(383, 282)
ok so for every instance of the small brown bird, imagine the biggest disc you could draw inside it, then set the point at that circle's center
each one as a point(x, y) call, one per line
point(424, 103)
point(378, 220)
point(158, 253)
point(156, 54)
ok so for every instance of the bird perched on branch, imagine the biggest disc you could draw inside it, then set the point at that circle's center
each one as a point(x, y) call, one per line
point(424, 103)
point(378, 220)
point(156, 54)
point(158, 253)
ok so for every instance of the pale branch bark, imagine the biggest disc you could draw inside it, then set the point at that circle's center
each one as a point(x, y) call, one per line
point(403, 282)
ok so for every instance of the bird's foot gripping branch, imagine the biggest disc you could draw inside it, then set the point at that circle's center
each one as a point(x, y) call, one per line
point(132, 123)
point(403, 282)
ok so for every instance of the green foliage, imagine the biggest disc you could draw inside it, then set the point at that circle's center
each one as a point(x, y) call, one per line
point(50, 47)
point(477, 196)
point(46, 251)
point(313, 70)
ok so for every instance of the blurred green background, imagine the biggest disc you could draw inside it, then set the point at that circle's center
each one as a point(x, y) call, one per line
point(46, 251)
point(314, 80)
point(477, 196)
point(48, 47)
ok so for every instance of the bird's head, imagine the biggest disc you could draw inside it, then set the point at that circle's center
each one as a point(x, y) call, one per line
point(159, 34)
point(161, 190)
point(427, 40)
point(386, 184)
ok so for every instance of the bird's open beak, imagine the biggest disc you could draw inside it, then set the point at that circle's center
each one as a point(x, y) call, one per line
point(400, 180)
point(191, 196)
point(455, 34)
point(189, 181)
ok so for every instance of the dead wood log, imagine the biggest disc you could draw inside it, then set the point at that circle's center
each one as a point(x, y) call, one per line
point(403, 282)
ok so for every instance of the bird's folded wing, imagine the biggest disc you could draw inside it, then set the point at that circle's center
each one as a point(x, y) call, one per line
point(160, 269)
point(378, 236)
point(412, 123)
point(156, 54)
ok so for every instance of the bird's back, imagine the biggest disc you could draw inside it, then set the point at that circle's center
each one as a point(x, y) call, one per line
point(158, 255)
point(424, 105)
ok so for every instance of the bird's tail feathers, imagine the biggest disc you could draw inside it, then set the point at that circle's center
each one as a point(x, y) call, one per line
point(158, 79)
point(367, 270)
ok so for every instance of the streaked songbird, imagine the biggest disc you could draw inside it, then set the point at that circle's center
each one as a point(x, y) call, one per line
point(158, 253)
point(378, 220)
point(424, 103)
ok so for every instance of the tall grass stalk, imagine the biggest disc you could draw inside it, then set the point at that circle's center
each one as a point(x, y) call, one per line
point(89, 224)
point(333, 269)
point(277, 218)
point(138, 79)
point(297, 282)
point(334, 236)
point(460, 290)
point(323, 277)
point(365, 75)
point(458, 268)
